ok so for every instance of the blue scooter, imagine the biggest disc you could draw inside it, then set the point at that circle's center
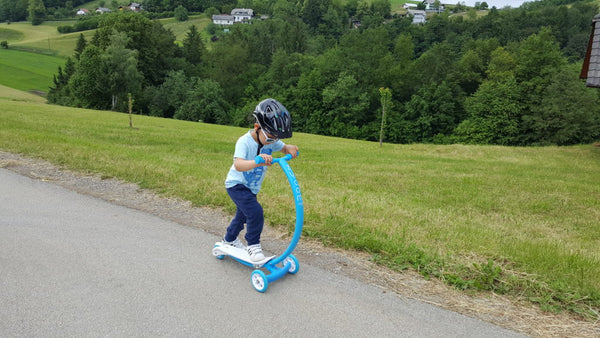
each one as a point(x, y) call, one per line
point(278, 266)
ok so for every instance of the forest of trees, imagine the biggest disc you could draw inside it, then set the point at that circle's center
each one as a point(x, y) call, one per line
point(509, 77)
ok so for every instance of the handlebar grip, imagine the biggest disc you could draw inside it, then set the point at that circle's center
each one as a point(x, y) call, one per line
point(258, 159)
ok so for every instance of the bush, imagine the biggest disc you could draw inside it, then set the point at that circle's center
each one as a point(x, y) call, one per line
point(83, 24)
point(181, 13)
point(4, 44)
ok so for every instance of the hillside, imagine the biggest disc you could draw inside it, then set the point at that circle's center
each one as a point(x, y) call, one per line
point(516, 221)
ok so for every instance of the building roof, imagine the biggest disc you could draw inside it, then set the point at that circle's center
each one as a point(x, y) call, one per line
point(242, 11)
point(591, 63)
point(222, 17)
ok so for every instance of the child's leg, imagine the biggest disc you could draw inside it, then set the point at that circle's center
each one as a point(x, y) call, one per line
point(248, 205)
point(255, 222)
point(236, 226)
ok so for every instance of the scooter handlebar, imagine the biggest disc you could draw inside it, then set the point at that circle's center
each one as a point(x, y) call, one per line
point(258, 159)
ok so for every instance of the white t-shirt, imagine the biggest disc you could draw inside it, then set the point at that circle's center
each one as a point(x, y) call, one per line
point(246, 147)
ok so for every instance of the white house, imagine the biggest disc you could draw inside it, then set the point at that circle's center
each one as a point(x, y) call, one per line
point(419, 16)
point(430, 6)
point(83, 11)
point(102, 10)
point(134, 6)
point(409, 6)
point(242, 14)
point(223, 19)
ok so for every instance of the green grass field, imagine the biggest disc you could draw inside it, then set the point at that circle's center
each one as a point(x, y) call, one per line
point(181, 28)
point(519, 221)
point(43, 39)
point(35, 52)
point(28, 71)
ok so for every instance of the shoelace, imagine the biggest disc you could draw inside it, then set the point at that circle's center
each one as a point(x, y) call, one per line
point(254, 250)
point(237, 243)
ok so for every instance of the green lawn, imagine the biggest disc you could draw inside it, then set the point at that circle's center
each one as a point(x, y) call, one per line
point(520, 221)
point(181, 28)
point(11, 94)
point(28, 71)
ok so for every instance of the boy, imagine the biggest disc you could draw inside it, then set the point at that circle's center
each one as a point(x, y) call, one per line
point(245, 177)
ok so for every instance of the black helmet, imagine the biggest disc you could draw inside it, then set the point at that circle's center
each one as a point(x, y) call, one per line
point(274, 118)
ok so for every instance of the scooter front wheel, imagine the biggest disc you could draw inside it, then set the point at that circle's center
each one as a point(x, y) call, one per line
point(294, 266)
point(259, 281)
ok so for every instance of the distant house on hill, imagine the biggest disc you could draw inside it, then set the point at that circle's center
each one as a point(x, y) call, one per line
point(223, 19)
point(242, 14)
point(83, 11)
point(102, 10)
point(419, 16)
point(430, 6)
point(238, 15)
point(133, 6)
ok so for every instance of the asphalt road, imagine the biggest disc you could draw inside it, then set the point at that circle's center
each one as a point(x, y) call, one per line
point(74, 265)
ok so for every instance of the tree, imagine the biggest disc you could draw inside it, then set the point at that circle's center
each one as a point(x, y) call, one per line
point(382, 8)
point(313, 10)
point(433, 112)
point(60, 93)
point(181, 13)
point(87, 85)
point(494, 114)
point(37, 12)
point(120, 65)
point(157, 51)
point(81, 44)
point(345, 105)
point(193, 46)
point(228, 65)
point(13, 10)
point(568, 112)
point(205, 102)
point(306, 101)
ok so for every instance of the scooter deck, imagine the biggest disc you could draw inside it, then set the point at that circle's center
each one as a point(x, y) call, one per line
point(240, 254)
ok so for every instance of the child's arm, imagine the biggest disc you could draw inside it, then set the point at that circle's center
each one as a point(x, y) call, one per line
point(290, 149)
point(241, 164)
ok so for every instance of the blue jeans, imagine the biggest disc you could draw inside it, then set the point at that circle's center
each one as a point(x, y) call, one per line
point(249, 211)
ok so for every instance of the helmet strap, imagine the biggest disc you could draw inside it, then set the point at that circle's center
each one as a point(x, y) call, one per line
point(260, 145)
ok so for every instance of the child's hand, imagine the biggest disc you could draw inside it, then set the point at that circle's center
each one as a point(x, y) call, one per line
point(291, 149)
point(268, 159)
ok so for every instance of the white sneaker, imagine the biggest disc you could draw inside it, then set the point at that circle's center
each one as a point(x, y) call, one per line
point(236, 243)
point(255, 253)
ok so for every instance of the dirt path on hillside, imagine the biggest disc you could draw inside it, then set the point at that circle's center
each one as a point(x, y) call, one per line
point(500, 310)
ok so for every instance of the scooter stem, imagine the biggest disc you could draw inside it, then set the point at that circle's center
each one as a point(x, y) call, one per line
point(297, 200)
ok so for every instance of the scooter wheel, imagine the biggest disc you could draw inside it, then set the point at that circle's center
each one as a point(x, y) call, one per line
point(259, 281)
point(216, 253)
point(294, 266)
